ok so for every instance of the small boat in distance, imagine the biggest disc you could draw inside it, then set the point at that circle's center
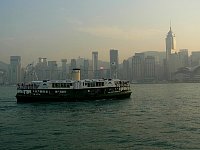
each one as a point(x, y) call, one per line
point(73, 90)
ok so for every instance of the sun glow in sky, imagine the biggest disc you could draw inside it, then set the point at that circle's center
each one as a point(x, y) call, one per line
point(59, 29)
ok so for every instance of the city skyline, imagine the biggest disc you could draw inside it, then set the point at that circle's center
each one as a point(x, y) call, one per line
point(66, 29)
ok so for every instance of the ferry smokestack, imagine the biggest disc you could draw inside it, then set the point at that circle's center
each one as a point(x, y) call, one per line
point(76, 74)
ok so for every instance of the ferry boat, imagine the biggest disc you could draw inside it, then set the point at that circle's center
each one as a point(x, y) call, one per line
point(73, 90)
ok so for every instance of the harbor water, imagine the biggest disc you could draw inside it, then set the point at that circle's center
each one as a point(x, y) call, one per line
point(157, 116)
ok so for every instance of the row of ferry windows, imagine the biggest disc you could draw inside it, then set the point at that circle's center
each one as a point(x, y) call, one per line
point(67, 85)
point(94, 84)
point(62, 85)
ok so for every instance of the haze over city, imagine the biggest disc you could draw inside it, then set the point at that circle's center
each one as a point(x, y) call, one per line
point(69, 29)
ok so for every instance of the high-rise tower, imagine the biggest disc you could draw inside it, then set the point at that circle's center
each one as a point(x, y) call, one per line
point(114, 63)
point(95, 64)
point(64, 68)
point(170, 43)
point(15, 69)
point(172, 56)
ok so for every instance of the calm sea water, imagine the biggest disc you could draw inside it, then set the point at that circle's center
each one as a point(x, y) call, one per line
point(157, 116)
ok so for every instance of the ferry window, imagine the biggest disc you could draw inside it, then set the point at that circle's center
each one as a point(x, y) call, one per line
point(102, 84)
point(57, 85)
point(93, 84)
point(63, 85)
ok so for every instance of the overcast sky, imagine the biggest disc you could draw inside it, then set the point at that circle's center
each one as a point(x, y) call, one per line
point(59, 29)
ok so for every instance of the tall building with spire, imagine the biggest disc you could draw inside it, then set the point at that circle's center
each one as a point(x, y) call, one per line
point(172, 56)
point(170, 43)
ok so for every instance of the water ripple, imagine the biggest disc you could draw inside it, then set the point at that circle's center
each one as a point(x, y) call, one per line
point(161, 116)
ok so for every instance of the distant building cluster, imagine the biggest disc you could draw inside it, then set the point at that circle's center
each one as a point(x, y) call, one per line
point(147, 67)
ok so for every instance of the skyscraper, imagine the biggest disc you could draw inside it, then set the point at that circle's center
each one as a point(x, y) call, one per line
point(149, 68)
point(53, 70)
point(125, 70)
point(183, 56)
point(170, 43)
point(114, 63)
point(41, 69)
point(138, 67)
point(95, 64)
point(172, 57)
point(64, 68)
point(73, 64)
point(15, 69)
point(85, 69)
point(195, 58)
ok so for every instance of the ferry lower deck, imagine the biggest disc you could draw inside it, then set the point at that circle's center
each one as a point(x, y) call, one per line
point(42, 95)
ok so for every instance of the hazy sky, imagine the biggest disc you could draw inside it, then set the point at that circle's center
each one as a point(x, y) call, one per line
point(59, 29)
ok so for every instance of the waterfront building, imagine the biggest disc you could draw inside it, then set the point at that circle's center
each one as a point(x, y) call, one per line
point(41, 70)
point(160, 58)
point(125, 70)
point(3, 73)
point(138, 67)
point(53, 70)
point(42, 62)
point(173, 65)
point(64, 68)
point(188, 74)
point(149, 69)
point(73, 64)
point(85, 69)
point(15, 70)
point(183, 56)
point(64, 65)
point(195, 58)
point(114, 63)
point(95, 64)
point(80, 65)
